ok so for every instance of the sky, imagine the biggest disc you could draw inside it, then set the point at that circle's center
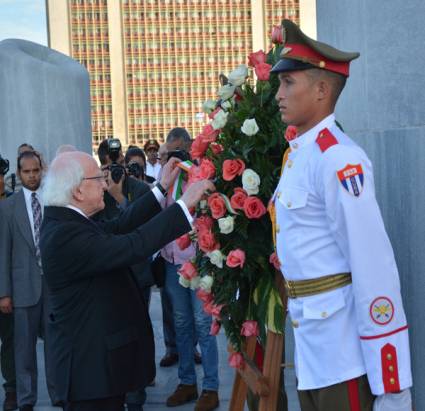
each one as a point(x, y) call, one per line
point(23, 19)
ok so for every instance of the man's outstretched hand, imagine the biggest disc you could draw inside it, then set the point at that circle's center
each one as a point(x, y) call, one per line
point(169, 172)
point(196, 192)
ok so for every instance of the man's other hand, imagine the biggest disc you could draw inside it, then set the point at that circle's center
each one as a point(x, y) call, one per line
point(169, 172)
point(196, 192)
point(6, 306)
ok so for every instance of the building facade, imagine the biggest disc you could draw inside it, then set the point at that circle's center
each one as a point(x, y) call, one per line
point(152, 63)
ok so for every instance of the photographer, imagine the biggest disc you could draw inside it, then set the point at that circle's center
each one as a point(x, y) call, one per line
point(7, 360)
point(123, 190)
point(135, 162)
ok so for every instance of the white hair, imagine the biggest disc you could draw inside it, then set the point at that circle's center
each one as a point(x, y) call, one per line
point(64, 174)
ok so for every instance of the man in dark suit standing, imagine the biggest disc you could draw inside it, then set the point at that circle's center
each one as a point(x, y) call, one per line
point(23, 289)
point(103, 339)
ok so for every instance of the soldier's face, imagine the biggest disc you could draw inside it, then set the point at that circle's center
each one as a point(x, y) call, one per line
point(297, 99)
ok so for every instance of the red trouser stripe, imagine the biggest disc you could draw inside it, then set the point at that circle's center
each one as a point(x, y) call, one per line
point(353, 394)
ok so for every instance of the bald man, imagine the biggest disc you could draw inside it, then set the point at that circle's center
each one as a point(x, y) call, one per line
point(101, 331)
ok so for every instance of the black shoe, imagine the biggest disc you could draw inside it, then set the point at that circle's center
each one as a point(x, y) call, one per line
point(168, 360)
point(197, 357)
point(26, 408)
point(10, 402)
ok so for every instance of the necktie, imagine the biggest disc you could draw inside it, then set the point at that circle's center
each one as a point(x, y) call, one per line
point(36, 213)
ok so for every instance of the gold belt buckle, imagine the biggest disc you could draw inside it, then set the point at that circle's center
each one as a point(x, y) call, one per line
point(290, 289)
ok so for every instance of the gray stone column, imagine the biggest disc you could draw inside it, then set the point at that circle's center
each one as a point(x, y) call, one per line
point(44, 100)
point(383, 108)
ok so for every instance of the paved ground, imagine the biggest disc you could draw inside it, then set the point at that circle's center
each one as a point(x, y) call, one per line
point(167, 380)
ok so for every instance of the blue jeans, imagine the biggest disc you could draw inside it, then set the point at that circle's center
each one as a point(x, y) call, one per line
point(189, 315)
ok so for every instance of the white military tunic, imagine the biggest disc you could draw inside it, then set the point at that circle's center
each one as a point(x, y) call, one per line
point(328, 222)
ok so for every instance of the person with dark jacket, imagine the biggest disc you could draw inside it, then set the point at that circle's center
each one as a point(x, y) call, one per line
point(102, 335)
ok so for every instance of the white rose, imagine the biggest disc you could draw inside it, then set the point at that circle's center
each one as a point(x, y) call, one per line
point(183, 282)
point(220, 120)
point(216, 257)
point(194, 282)
point(206, 283)
point(209, 106)
point(226, 224)
point(250, 182)
point(250, 127)
point(237, 77)
point(227, 91)
point(226, 105)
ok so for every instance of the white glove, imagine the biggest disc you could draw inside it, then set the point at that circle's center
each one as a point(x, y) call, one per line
point(394, 402)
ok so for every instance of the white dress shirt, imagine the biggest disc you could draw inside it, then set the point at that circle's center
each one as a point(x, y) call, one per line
point(327, 224)
point(153, 170)
point(27, 196)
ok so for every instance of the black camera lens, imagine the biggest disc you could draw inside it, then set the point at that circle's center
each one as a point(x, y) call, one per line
point(180, 154)
point(135, 170)
point(4, 166)
point(117, 171)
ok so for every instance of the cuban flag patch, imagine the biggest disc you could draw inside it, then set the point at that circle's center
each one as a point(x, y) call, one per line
point(352, 178)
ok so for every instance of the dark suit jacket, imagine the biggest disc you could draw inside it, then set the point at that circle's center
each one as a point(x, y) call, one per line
point(102, 340)
point(132, 189)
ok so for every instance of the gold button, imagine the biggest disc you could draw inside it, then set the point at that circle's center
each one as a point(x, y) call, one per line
point(295, 324)
point(391, 368)
point(289, 204)
point(392, 381)
point(322, 64)
point(277, 229)
point(324, 314)
point(389, 357)
point(321, 135)
point(290, 162)
point(295, 145)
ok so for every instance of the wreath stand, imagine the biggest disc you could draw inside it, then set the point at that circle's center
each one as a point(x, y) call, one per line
point(265, 384)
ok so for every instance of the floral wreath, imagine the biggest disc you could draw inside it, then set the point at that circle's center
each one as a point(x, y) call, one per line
point(241, 151)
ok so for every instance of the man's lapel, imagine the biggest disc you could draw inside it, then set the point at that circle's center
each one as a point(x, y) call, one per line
point(22, 219)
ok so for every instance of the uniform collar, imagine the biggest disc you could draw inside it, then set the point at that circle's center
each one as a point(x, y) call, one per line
point(311, 135)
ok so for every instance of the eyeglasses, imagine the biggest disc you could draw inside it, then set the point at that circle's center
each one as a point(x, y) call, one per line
point(94, 178)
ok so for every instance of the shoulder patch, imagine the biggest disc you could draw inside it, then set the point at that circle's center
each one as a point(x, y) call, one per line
point(326, 139)
point(352, 178)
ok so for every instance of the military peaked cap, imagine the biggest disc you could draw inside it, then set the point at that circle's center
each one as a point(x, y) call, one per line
point(301, 52)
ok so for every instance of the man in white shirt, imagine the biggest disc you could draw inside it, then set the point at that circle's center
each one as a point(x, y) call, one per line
point(23, 290)
point(153, 166)
point(341, 278)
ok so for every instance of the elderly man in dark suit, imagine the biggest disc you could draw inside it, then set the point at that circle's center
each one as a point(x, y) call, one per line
point(23, 289)
point(103, 340)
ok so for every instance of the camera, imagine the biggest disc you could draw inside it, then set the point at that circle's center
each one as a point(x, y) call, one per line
point(114, 149)
point(4, 166)
point(135, 169)
point(183, 155)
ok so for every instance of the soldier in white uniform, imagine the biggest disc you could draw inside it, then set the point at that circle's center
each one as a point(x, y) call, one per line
point(351, 334)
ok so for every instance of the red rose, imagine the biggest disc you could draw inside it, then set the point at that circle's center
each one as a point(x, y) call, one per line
point(237, 361)
point(195, 174)
point(204, 296)
point(215, 327)
point(209, 134)
point(184, 241)
point(207, 169)
point(199, 147)
point(188, 270)
point(277, 35)
point(238, 199)
point(236, 258)
point(213, 309)
point(250, 328)
point(262, 71)
point(232, 168)
point(207, 242)
point(290, 133)
point(217, 205)
point(254, 207)
point(216, 148)
point(274, 261)
point(257, 58)
point(203, 223)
